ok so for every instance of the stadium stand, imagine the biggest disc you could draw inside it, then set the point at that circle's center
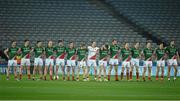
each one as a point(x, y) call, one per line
point(160, 18)
point(76, 20)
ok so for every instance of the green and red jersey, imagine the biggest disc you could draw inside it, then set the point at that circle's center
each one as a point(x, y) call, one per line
point(114, 51)
point(82, 53)
point(135, 52)
point(60, 52)
point(49, 52)
point(38, 51)
point(71, 53)
point(172, 52)
point(25, 52)
point(126, 54)
point(148, 53)
point(103, 54)
point(12, 53)
point(160, 53)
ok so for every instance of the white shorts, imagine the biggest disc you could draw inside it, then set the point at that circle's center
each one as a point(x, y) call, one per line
point(113, 62)
point(102, 63)
point(135, 62)
point(147, 63)
point(126, 64)
point(25, 62)
point(60, 62)
point(82, 63)
point(49, 62)
point(38, 61)
point(91, 63)
point(71, 62)
point(161, 63)
point(12, 62)
point(172, 62)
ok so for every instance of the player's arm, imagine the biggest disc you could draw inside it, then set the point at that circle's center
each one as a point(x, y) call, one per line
point(177, 56)
point(6, 52)
point(142, 55)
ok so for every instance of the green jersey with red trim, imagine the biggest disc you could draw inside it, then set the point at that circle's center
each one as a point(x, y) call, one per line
point(82, 54)
point(126, 54)
point(60, 52)
point(49, 52)
point(114, 51)
point(12, 52)
point(160, 53)
point(25, 52)
point(171, 52)
point(148, 53)
point(135, 52)
point(38, 51)
point(103, 54)
point(71, 53)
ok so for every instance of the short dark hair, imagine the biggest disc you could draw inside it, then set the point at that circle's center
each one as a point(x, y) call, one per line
point(26, 40)
point(38, 41)
point(60, 40)
point(13, 41)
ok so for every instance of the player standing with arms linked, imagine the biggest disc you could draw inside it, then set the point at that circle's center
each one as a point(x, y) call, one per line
point(114, 51)
point(92, 54)
point(173, 57)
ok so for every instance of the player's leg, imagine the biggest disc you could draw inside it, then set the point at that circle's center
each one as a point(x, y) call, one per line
point(45, 71)
point(131, 71)
point(169, 69)
point(78, 70)
point(116, 72)
point(68, 73)
point(162, 72)
point(89, 63)
point(21, 68)
point(127, 70)
point(63, 71)
point(73, 72)
point(109, 72)
point(40, 72)
point(137, 73)
point(144, 73)
point(84, 73)
point(104, 71)
point(122, 71)
point(175, 71)
point(100, 71)
point(15, 69)
point(149, 73)
point(57, 68)
point(157, 71)
point(51, 71)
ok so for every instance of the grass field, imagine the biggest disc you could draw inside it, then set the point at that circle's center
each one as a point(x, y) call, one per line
point(92, 90)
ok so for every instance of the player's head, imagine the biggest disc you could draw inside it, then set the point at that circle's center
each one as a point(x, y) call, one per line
point(13, 43)
point(82, 45)
point(148, 44)
point(61, 42)
point(26, 42)
point(114, 41)
point(136, 45)
point(71, 44)
point(105, 46)
point(161, 45)
point(93, 44)
point(172, 43)
point(126, 45)
point(50, 43)
point(39, 43)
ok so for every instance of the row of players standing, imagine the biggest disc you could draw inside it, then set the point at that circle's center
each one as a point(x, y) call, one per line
point(87, 57)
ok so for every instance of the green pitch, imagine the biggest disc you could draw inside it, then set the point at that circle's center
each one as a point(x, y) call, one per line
point(92, 90)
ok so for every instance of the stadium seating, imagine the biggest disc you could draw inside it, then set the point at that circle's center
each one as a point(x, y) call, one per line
point(76, 20)
point(161, 18)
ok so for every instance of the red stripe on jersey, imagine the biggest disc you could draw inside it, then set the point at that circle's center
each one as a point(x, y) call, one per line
point(128, 59)
point(62, 56)
point(73, 57)
point(28, 56)
point(93, 57)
